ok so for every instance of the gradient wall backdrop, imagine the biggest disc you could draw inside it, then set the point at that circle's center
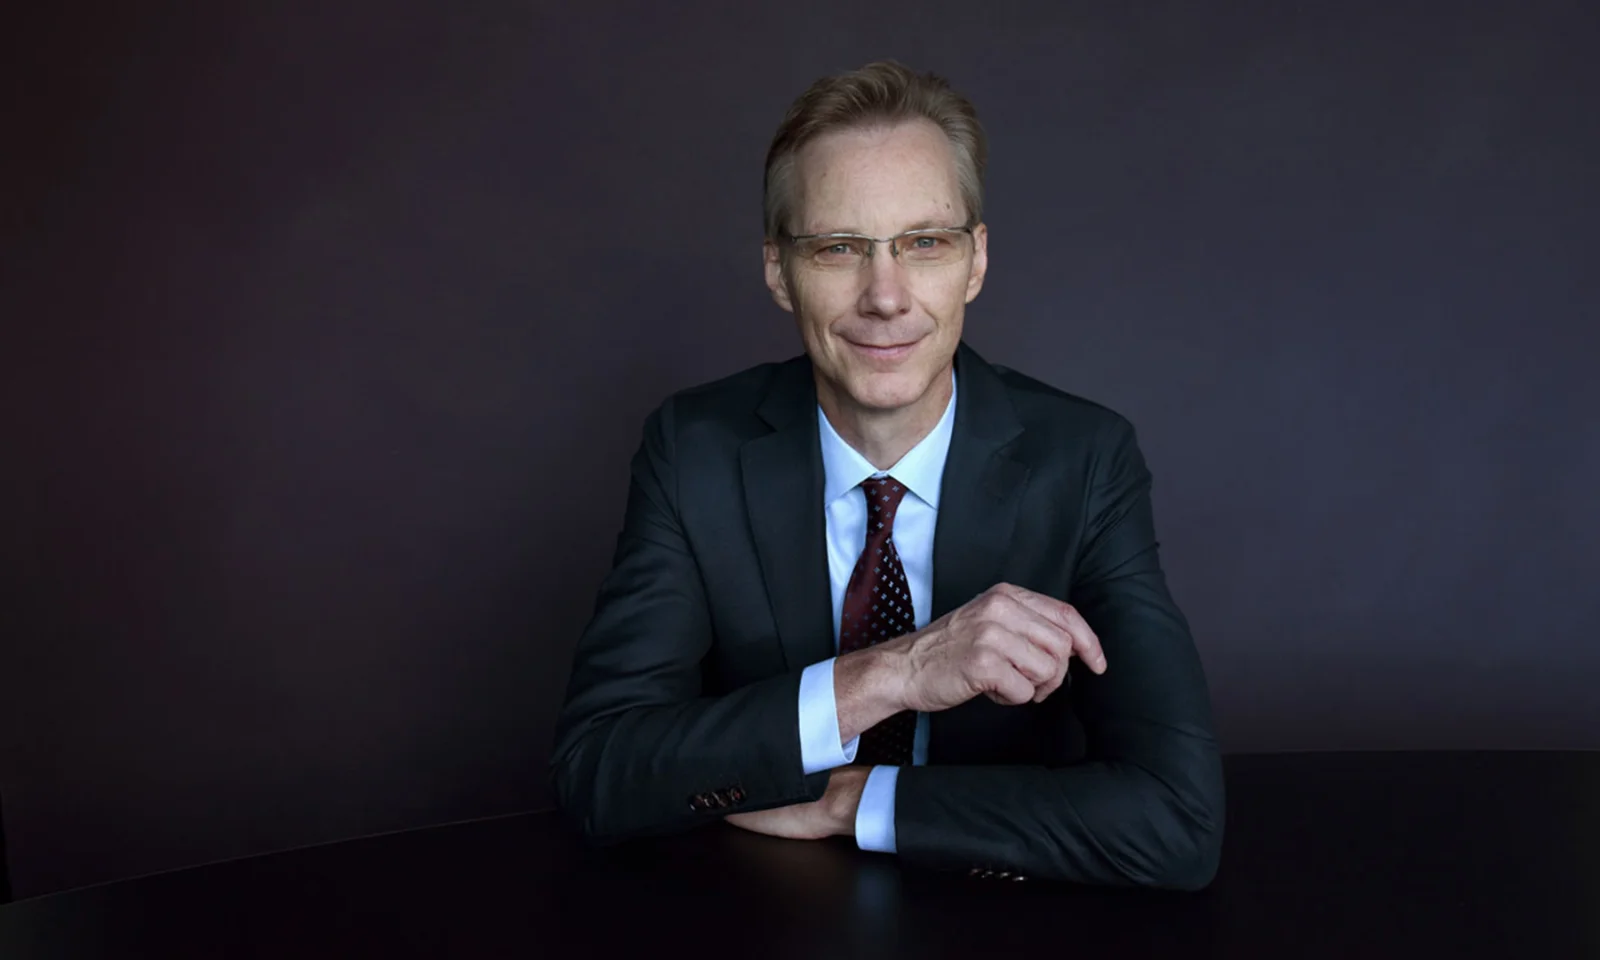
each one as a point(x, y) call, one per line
point(330, 329)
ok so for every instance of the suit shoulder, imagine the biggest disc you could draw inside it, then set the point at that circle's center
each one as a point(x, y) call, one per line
point(726, 405)
point(1054, 411)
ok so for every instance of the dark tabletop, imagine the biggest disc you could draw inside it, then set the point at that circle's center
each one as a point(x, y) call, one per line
point(1327, 855)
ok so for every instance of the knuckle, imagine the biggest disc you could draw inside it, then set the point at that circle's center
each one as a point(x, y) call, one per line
point(985, 660)
point(1005, 593)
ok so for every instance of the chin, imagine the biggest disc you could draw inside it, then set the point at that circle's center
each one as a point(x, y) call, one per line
point(878, 390)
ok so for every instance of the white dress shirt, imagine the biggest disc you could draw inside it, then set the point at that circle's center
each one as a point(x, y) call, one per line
point(844, 505)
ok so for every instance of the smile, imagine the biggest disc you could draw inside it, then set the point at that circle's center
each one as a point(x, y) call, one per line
point(889, 352)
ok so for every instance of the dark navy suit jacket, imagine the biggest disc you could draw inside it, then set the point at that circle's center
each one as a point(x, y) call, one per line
point(683, 699)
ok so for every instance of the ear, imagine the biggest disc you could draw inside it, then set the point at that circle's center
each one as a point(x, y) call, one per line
point(776, 282)
point(980, 260)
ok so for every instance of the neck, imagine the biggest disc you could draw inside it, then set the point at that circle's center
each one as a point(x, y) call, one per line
point(884, 436)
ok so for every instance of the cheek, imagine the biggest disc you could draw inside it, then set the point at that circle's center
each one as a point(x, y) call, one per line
point(946, 301)
point(818, 308)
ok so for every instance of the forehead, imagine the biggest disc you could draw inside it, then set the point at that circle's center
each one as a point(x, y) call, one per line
point(879, 179)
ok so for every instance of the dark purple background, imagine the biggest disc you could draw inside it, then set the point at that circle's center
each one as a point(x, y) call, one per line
point(329, 332)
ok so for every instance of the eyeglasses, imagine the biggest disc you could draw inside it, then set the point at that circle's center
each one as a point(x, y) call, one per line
point(928, 247)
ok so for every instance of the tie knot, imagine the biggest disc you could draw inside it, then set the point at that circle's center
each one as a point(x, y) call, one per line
point(883, 499)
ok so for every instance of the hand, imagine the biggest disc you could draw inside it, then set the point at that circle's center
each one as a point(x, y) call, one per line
point(834, 815)
point(1008, 643)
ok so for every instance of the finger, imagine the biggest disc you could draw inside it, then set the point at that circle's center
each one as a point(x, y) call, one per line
point(1061, 660)
point(1050, 635)
point(1043, 635)
point(1085, 643)
point(1011, 688)
point(1001, 661)
point(1038, 665)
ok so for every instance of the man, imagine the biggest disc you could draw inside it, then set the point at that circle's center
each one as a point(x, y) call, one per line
point(849, 586)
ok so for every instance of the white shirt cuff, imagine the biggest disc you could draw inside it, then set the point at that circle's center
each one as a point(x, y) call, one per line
point(820, 748)
point(875, 815)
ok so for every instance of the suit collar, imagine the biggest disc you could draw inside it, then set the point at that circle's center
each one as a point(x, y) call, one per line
point(791, 395)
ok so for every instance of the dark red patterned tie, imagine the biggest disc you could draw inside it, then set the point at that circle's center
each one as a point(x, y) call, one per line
point(877, 607)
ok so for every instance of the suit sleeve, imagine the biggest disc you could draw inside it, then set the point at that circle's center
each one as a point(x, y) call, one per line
point(1145, 805)
point(639, 749)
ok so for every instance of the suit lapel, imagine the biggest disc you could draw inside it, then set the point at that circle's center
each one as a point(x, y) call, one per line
point(980, 492)
point(782, 473)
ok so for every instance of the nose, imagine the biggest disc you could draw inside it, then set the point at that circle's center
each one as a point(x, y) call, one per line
point(885, 294)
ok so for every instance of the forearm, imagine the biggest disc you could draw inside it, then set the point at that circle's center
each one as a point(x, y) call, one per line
point(635, 772)
point(1099, 822)
point(868, 687)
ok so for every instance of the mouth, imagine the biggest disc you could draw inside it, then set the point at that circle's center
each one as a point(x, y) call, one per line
point(884, 352)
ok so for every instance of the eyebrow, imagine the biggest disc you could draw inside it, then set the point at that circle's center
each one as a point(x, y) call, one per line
point(925, 224)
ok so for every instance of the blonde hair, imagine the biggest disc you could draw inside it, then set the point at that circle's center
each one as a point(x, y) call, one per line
point(881, 92)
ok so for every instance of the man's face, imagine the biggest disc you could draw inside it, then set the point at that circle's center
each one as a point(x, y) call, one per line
point(878, 181)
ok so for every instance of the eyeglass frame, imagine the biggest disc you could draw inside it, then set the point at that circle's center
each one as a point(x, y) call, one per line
point(894, 249)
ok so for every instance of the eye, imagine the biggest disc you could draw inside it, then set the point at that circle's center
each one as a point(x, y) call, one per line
point(934, 248)
point(836, 251)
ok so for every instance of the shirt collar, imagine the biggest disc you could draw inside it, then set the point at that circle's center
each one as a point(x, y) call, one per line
point(920, 470)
